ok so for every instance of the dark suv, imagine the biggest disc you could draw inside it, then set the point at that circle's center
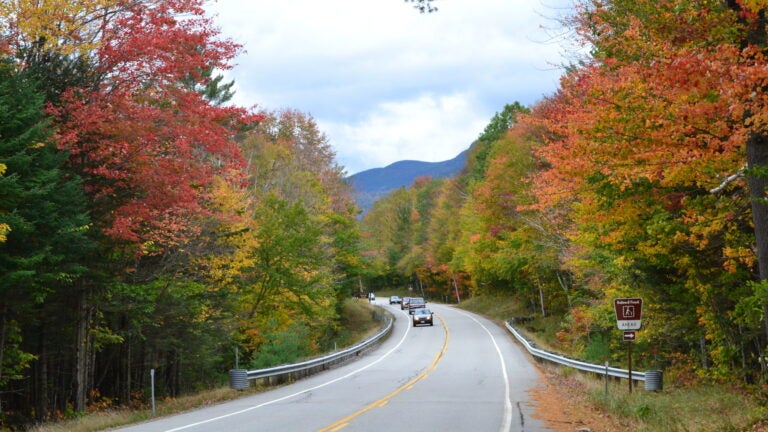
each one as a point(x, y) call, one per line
point(416, 303)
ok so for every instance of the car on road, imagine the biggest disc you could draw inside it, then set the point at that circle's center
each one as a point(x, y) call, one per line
point(422, 316)
point(395, 300)
point(416, 303)
point(404, 303)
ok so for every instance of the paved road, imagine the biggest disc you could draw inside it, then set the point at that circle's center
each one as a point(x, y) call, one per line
point(462, 374)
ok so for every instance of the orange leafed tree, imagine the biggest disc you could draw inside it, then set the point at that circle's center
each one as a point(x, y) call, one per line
point(646, 143)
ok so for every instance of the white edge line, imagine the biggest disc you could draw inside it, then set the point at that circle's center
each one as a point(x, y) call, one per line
point(387, 354)
point(506, 425)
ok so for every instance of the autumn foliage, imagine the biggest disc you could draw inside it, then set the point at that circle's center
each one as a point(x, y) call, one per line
point(136, 215)
point(154, 226)
point(643, 175)
point(646, 146)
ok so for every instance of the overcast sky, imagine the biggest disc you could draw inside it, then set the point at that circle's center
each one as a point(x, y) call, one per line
point(386, 83)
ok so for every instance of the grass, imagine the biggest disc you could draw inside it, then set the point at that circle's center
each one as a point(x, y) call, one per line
point(359, 319)
point(101, 420)
point(496, 307)
point(703, 408)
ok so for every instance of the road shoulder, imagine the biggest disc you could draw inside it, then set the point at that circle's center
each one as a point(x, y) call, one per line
point(562, 403)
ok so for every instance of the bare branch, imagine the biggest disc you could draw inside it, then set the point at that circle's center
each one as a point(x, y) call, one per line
point(423, 5)
point(728, 180)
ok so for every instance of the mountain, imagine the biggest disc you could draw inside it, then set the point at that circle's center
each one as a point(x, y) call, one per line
point(370, 185)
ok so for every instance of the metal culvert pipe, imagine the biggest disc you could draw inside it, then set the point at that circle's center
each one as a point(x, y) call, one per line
point(654, 380)
point(238, 379)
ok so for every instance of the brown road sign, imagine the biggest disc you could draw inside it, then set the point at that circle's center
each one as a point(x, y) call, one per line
point(628, 313)
point(630, 336)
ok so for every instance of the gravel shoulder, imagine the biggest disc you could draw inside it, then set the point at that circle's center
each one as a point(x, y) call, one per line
point(562, 404)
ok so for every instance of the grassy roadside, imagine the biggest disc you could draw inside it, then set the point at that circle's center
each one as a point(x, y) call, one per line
point(703, 408)
point(357, 319)
point(112, 418)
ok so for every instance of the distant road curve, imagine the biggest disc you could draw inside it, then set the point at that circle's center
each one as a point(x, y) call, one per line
point(463, 374)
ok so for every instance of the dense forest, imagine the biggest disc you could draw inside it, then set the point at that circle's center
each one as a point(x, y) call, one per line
point(147, 223)
point(644, 175)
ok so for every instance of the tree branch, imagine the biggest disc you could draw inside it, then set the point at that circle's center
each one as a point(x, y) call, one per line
point(728, 180)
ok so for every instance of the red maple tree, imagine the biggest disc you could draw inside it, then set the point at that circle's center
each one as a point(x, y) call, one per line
point(145, 140)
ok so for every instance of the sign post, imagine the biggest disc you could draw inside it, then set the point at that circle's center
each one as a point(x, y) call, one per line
point(628, 318)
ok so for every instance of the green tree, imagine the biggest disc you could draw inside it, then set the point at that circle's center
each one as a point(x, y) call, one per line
point(293, 251)
point(497, 128)
point(45, 251)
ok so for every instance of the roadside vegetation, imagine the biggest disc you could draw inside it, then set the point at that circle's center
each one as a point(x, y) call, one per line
point(111, 417)
point(703, 407)
point(359, 321)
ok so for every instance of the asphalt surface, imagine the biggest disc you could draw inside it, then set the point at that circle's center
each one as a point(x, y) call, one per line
point(465, 373)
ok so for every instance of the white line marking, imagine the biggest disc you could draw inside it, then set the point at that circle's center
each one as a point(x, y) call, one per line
point(506, 424)
point(388, 353)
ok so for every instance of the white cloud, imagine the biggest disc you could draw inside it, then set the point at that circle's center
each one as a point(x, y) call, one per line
point(385, 82)
point(428, 128)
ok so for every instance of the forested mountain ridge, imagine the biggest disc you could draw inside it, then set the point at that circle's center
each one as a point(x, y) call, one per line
point(372, 184)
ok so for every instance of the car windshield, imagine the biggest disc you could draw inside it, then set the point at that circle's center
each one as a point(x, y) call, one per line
point(423, 312)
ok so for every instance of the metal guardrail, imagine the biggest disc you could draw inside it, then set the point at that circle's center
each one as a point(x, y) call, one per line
point(320, 363)
point(576, 364)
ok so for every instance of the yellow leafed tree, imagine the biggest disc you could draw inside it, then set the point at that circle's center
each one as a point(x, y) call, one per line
point(63, 26)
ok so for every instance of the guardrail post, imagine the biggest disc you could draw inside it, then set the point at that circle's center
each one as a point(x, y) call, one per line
point(152, 383)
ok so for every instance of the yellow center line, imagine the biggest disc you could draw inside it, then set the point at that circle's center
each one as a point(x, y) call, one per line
point(338, 425)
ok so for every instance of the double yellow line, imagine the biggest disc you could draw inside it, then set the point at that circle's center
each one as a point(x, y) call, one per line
point(341, 424)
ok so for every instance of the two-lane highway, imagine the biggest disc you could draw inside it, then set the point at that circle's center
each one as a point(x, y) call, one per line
point(462, 374)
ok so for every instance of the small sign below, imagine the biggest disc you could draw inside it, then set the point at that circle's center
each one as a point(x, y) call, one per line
point(628, 313)
point(629, 336)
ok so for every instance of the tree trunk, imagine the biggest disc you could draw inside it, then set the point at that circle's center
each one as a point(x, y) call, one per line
point(541, 297)
point(82, 355)
point(757, 158)
point(564, 286)
point(42, 408)
point(127, 361)
point(3, 324)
